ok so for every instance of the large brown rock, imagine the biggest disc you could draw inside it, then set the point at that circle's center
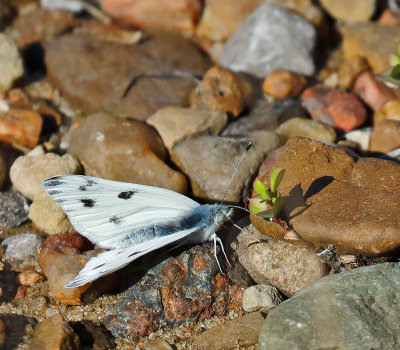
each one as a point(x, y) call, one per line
point(122, 150)
point(333, 198)
point(125, 80)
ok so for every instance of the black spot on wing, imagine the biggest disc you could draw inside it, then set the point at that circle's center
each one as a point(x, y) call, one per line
point(88, 203)
point(82, 188)
point(126, 194)
point(116, 220)
point(89, 183)
point(54, 192)
point(54, 182)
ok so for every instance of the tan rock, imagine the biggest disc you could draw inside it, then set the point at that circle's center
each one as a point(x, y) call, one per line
point(29, 278)
point(48, 216)
point(390, 110)
point(350, 11)
point(281, 83)
point(28, 172)
point(20, 127)
point(122, 150)
point(373, 41)
point(350, 70)
point(220, 90)
point(388, 18)
point(283, 265)
point(240, 332)
point(385, 136)
point(331, 198)
point(11, 63)
point(175, 124)
point(307, 128)
point(54, 334)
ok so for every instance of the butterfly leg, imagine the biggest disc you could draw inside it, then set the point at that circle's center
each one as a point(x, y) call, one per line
point(223, 250)
point(215, 252)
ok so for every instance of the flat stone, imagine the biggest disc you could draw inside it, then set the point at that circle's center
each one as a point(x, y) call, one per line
point(209, 172)
point(22, 246)
point(307, 128)
point(260, 45)
point(390, 110)
point(372, 41)
point(282, 83)
point(385, 136)
point(13, 209)
point(11, 65)
point(175, 124)
point(350, 11)
point(261, 297)
point(28, 172)
point(330, 198)
point(283, 265)
point(125, 80)
point(131, 151)
point(239, 332)
point(356, 309)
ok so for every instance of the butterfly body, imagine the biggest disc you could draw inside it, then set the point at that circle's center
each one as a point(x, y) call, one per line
point(131, 220)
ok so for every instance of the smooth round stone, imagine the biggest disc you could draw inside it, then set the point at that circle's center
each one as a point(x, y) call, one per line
point(22, 246)
point(13, 209)
point(261, 297)
point(350, 11)
point(11, 64)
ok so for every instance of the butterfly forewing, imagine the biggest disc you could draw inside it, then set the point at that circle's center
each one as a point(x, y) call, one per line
point(107, 212)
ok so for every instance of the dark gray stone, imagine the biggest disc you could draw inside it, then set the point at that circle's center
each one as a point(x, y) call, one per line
point(353, 310)
point(14, 209)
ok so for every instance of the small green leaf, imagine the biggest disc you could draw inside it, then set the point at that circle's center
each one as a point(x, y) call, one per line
point(267, 214)
point(260, 187)
point(256, 205)
point(395, 74)
point(278, 205)
point(276, 178)
point(393, 59)
point(398, 48)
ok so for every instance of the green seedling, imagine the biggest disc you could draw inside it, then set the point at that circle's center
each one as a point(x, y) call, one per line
point(391, 76)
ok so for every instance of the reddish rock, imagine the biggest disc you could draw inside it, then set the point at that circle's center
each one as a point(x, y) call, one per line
point(330, 197)
point(388, 18)
point(175, 15)
point(40, 24)
point(385, 136)
point(337, 108)
point(61, 262)
point(20, 127)
point(282, 83)
point(29, 278)
point(21, 292)
point(373, 92)
point(220, 90)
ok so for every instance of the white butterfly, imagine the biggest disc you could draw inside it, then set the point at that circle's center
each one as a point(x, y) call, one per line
point(131, 220)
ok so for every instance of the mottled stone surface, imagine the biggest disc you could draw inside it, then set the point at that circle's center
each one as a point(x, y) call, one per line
point(125, 80)
point(385, 136)
point(350, 11)
point(330, 198)
point(356, 309)
point(11, 64)
point(14, 209)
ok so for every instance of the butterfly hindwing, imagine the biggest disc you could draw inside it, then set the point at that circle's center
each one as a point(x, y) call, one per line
point(107, 212)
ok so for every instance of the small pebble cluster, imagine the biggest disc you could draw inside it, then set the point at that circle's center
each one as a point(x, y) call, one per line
point(169, 94)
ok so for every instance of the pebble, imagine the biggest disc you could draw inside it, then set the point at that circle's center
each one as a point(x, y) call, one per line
point(267, 30)
point(11, 64)
point(60, 262)
point(350, 70)
point(157, 344)
point(283, 265)
point(28, 171)
point(54, 333)
point(14, 209)
point(209, 172)
point(282, 83)
point(388, 18)
point(373, 92)
point(350, 11)
point(390, 110)
point(337, 108)
point(307, 128)
point(22, 246)
point(385, 136)
point(220, 90)
point(184, 289)
point(261, 297)
point(180, 16)
point(48, 216)
point(232, 334)
point(362, 137)
point(40, 24)
point(29, 278)
point(131, 151)
point(134, 81)
point(175, 124)
point(372, 41)
point(20, 127)
point(331, 199)
point(356, 309)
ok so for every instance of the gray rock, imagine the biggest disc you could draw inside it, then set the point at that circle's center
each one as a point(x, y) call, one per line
point(261, 297)
point(14, 209)
point(22, 246)
point(11, 65)
point(353, 310)
point(270, 38)
point(210, 169)
point(280, 264)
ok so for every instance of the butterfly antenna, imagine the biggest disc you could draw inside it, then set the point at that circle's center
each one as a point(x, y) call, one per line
point(246, 210)
point(236, 169)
